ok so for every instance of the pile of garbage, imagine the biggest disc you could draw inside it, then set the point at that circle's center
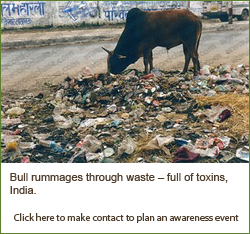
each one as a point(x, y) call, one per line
point(162, 117)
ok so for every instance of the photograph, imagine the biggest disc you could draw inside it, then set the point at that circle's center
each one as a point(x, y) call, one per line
point(125, 82)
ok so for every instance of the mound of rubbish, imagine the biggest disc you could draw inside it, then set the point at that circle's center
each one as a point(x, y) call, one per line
point(162, 117)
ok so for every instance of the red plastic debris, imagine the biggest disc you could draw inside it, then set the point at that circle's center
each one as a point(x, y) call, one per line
point(156, 103)
point(25, 159)
point(224, 115)
point(149, 76)
point(17, 132)
point(219, 143)
point(79, 144)
point(183, 154)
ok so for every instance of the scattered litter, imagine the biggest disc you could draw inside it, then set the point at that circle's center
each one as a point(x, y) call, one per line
point(11, 146)
point(15, 111)
point(159, 143)
point(183, 154)
point(243, 153)
point(25, 159)
point(225, 114)
point(227, 156)
point(156, 159)
point(108, 152)
point(218, 113)
point(162, 117)
point(128, 146)
point(204, 143)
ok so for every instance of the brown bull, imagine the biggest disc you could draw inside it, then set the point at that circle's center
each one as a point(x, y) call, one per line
point(146, 30)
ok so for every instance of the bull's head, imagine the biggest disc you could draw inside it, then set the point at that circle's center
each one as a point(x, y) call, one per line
point(116, 62)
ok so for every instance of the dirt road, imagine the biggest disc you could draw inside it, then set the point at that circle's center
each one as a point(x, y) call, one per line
point(26, 70)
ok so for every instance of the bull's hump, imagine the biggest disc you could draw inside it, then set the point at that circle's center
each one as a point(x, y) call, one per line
point(133, 14)
point(134, 10)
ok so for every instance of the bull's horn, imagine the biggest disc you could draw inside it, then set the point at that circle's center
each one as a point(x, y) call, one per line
point(109, 52)
point(122, 57)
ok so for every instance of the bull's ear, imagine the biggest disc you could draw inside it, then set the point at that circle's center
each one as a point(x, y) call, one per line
point(122, 56)
point(108, 51)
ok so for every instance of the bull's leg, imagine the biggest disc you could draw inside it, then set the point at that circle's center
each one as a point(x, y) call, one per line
point(151, 61)
point(195, 59)
point(199, 66)
point(191, 45)
point(187, 58)
point(198, 62)
point(146, 59)
point(197, 47)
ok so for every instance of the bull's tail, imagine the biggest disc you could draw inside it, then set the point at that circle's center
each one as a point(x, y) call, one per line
point(198, 36)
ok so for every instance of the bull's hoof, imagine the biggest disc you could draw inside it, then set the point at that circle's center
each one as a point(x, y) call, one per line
point(183, 73)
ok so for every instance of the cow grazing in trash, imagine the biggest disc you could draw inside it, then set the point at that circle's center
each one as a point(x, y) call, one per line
point(146, 30)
